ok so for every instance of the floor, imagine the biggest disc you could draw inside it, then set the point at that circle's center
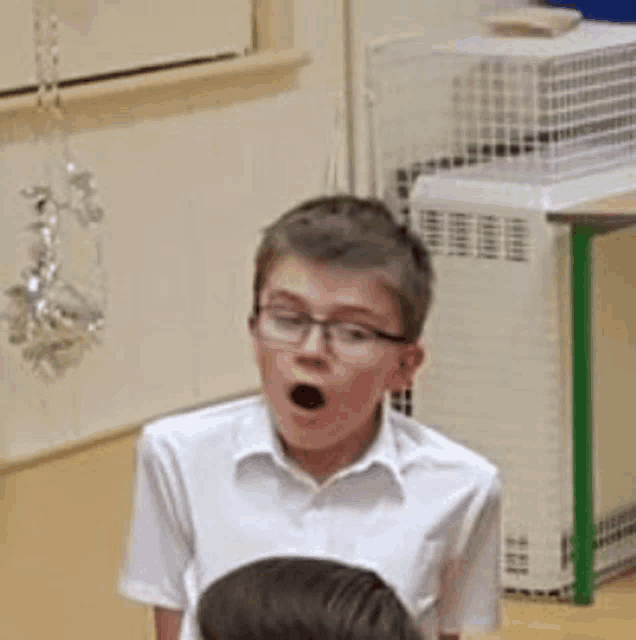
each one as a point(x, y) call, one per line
point(611, 617)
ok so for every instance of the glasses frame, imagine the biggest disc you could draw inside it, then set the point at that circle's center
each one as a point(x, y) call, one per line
point(325, 324)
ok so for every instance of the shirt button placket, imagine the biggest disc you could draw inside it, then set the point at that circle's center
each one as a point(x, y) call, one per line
point(317, 530)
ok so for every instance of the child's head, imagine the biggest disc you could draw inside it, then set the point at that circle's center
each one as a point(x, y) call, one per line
point(338, 259)
point(359, 234)
point(303, 599)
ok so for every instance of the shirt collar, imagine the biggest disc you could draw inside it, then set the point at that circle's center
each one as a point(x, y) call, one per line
point(256, 435)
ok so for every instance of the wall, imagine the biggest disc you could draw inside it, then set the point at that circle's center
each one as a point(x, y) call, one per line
point(614, 364)
point(189, 177)
point(102, 36)
point(63, 527)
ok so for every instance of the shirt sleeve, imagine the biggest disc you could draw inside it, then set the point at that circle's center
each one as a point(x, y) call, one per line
point(470, 594)
point(160, 539)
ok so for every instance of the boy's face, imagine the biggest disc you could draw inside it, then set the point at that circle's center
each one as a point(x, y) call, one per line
point(352, 389)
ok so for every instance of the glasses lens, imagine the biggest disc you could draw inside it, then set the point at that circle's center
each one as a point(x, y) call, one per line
point(350, 341)
point(284, 326)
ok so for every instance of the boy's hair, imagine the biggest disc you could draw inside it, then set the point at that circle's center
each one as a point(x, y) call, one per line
point(346, 231)
point(303, 599)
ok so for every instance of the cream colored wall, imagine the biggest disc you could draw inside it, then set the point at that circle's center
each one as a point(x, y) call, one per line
point(102, 36)
point(63, 526)
point(189, 177)
point(614, 363)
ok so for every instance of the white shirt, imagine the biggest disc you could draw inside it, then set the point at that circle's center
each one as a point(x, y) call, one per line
point(214, 491)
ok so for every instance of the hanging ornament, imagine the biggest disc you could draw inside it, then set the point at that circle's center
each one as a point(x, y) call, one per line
point(51, 319)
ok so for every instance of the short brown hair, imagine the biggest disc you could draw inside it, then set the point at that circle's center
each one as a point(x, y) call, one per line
point(296, 598)
point(346, 231)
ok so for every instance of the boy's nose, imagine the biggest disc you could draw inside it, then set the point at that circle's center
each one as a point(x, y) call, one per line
point(316, 341)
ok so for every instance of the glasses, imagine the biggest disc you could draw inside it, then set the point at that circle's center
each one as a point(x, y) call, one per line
point(348, 339)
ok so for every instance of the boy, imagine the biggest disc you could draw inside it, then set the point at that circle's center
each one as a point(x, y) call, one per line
point(319, 465)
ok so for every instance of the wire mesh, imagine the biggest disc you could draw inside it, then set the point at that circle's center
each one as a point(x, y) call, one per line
point(514, 113)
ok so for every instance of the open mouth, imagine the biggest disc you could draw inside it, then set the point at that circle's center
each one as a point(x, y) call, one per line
point(307, 396)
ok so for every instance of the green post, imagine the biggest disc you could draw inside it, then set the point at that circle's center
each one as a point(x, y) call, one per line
point(582, 413)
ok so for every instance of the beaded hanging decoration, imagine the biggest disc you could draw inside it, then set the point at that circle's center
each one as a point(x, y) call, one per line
point(52, 320)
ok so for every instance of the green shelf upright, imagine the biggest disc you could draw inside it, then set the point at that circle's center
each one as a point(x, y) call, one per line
point(584, 227)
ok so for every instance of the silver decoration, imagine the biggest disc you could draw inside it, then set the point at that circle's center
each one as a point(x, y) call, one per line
point(53, 322)
point(84, 201)
point(50, 318)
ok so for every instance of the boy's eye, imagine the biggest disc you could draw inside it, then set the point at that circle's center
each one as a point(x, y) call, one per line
point(345, 331)
point(354, 333)
point(289, 318)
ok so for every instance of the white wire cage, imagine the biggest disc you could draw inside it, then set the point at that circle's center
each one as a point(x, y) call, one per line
point(499, 372)
point(526, 109)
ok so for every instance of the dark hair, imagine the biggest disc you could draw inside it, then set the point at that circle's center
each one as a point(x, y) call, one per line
point(303, 599)
point(352, 232)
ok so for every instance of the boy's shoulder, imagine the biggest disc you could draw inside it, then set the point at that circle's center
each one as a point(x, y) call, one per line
point(421, 445)
point(192, 427)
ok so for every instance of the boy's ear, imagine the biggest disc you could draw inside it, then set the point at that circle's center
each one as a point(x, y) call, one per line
point(411, 359)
